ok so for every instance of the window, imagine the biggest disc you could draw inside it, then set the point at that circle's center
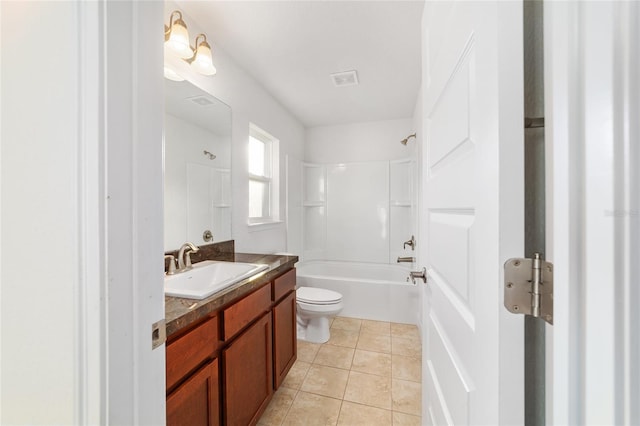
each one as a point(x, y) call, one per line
point(263, 171)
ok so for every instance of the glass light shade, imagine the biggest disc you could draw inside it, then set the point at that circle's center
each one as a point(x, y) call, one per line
point(170, 74)
point(178, 41)
point(203, 61)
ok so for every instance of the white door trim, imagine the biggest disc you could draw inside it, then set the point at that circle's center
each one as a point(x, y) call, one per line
point(133, 205)
point(592, 54)
point(91, 301)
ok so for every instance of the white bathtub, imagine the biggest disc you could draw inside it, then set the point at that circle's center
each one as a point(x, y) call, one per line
point(369, 291)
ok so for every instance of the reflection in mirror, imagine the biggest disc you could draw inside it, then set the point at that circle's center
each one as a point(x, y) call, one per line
point(197, 166)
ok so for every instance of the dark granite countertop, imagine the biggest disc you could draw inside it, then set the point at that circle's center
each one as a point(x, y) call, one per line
point(180, 312)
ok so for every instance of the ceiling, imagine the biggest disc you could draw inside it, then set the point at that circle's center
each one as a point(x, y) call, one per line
point(292, 47)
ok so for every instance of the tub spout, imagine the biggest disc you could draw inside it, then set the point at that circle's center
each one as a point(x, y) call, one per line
point(406, 259)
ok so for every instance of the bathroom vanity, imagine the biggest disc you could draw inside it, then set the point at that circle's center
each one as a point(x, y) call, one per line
point(227, 354)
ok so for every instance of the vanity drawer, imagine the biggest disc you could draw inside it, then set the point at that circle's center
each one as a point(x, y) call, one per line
point(284, 284)
point(189, 351)
point(246, 310)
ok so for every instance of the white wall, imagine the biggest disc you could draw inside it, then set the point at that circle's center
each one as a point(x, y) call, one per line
point(366, 205)
point(357, 142)
point(39, 254)
point(249, 102)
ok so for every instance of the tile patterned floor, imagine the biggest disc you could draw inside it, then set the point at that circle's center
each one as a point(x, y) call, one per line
point(368, 373)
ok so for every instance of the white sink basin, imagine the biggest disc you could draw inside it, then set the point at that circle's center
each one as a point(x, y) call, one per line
point(208, 277)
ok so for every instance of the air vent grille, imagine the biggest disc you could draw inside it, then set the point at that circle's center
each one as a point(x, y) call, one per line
point(201, 100)
point(345, 78)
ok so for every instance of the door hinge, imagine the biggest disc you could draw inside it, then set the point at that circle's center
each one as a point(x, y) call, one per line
point(528, 287)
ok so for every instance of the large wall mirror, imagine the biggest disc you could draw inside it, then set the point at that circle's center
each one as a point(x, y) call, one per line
point(197, 166)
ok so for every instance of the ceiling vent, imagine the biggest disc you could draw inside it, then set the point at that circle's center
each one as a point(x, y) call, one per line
point(346, 78)
point(203, 101)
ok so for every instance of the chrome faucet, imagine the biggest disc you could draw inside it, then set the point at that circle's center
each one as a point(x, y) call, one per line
point(406, 259)
point(172, 264)
point(184, 256)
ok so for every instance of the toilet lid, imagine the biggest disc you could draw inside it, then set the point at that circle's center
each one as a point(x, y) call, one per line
point(317, 296)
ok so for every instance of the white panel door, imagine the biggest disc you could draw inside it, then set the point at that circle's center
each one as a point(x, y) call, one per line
point(472, 215)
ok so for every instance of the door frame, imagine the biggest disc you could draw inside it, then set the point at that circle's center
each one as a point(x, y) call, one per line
point(132, 205)
point(592, 59)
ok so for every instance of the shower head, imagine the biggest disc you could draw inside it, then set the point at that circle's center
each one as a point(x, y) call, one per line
point(405, 140)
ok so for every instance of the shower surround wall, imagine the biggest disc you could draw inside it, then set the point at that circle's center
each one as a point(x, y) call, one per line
point(358, 197)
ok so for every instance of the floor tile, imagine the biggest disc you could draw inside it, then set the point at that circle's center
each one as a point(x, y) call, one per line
point(311, 410)
point(376, 327)
point(372, 362)
point(278, 407)
point(326, 381)
point(307, 351)
point(374, 342)
point(407, 396)
point(406, 368)
point(345, 323)
point(346, 338)
point(406, 347)
point(352, 414)
point(369, 389)
point(369, 373)
point(296, 375)
point(408, 331)
point(402, 419)
point(334, 356)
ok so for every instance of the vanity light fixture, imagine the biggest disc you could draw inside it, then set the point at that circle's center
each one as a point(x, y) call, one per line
point(176, 36)
point(176, 41)
point(202, 60)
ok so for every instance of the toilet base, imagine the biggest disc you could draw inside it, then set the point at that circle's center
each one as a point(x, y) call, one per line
point(314, 330)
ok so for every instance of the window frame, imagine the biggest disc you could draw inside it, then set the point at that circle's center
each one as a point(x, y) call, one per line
point(270, 177)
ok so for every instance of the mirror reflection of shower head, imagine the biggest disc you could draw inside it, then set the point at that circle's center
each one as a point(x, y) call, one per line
point(405, 140)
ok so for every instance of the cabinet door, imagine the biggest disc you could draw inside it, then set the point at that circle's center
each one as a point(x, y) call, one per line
point(248, 373)
point(284, 337)
point(196, 402)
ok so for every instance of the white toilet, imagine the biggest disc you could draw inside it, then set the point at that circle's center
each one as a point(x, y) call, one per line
point(315, 307)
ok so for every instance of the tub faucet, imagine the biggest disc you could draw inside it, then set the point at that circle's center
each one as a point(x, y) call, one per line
point(411, 243)
point(406, 259)
point(184, 257)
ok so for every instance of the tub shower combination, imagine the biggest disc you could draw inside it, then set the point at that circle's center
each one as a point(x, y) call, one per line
point(357, 218)
point(379, 292)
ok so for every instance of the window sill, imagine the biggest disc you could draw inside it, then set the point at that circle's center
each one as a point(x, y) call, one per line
point(263, 226)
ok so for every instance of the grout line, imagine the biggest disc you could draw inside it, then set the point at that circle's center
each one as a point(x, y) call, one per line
point(290, 405)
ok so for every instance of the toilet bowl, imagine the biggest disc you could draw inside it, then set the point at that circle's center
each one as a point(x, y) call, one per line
point(315, 307)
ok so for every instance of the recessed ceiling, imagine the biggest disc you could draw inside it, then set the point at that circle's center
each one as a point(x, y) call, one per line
point(293, 47)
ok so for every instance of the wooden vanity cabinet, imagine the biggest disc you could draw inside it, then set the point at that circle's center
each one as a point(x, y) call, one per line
point(196, 401)
point(192, 372)
point(226, 369)
point(248, 374)
point(284, 326)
